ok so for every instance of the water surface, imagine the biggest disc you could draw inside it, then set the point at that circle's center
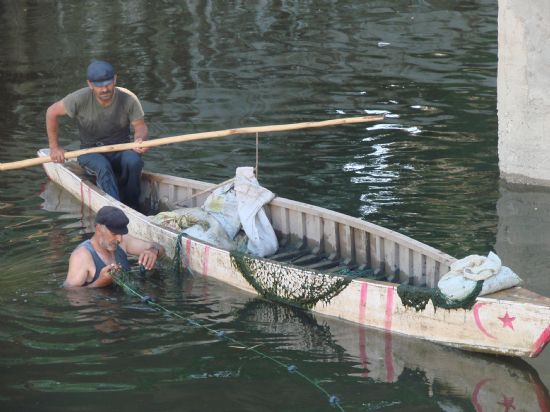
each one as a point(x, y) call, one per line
point(429, 171)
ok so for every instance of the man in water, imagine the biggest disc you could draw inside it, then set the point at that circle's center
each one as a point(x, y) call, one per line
point(104, 114)
point(91, 262)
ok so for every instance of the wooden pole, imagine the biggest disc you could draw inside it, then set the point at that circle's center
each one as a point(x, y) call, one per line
point(193, 136)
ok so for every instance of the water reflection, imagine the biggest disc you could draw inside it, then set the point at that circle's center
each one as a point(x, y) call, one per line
point(450, 376)
point(522, 237)
point(522, 242)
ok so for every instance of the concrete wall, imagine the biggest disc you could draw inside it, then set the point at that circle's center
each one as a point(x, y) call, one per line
point(523, 87)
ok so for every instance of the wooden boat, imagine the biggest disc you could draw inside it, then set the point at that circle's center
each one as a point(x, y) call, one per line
point(316, 244)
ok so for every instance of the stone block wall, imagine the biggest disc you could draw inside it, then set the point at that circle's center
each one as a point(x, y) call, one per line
point(523, 89)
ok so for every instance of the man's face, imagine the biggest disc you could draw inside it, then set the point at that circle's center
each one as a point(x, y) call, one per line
point(104, 94)
point(107, 239)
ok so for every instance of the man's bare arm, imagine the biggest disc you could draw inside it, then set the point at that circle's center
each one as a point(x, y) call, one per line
point(81, 266)
point(147, 252)
point(55, 111)
point(141, 132)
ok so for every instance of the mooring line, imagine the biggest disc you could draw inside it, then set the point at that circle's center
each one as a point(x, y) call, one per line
point(333, 400)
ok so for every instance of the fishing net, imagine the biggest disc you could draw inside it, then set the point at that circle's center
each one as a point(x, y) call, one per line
point(418, 297)
point(177, 264)
point(128, 279)
point(288, 284)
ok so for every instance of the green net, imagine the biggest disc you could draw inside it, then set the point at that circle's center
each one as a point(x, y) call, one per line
point(178, 254)
point(288, 284)
point(355, 273)
point(127, 279)
point(418, 297)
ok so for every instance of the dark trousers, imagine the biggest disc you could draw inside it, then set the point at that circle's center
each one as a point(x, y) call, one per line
point(117, 174)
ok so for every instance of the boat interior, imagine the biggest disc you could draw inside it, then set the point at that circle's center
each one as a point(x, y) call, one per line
point(315, 238)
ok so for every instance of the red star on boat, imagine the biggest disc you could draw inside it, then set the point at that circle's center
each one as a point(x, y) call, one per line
point(507, 321)
point(508, 403)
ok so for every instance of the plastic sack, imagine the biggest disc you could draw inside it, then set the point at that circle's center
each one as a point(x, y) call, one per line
point(251, 198)
point(461, 280)
point(222, 205)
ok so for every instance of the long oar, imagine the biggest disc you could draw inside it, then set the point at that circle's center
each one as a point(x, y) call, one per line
point(193, 136)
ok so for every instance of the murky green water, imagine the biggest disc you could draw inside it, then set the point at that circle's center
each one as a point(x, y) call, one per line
point(429, 171)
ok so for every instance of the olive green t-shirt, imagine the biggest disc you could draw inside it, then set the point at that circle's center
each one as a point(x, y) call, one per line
point(99, 125)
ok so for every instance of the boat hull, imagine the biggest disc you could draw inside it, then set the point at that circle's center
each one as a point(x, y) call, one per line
point(514, 322)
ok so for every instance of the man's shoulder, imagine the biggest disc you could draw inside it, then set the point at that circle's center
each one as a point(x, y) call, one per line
point(79, 94)
point(130, 102)
point(125, 93)
point(74, 101)
point(82, 247)
point(81, 256)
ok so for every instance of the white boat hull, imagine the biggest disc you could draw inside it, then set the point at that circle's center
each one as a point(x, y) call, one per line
point(513, 322)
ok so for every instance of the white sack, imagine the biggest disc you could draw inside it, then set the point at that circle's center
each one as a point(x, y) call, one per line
point(461, 280)
point(222, 205)
point(477, 267)
point(215, 234)
point(251, 198)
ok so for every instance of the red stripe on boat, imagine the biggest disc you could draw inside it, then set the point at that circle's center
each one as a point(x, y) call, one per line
point(362, 332)
point(188, 252)
point(82, 199)
point(541, 342)
point(205, 260)
point(390, 371)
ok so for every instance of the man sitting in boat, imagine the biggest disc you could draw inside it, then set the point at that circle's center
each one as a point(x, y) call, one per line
point(93, 259)
point(104, 113)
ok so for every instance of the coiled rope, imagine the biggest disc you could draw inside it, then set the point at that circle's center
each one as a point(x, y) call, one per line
point(122, 278)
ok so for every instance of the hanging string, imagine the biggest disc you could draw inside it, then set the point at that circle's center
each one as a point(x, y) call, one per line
point(257, 155)
point(122, 279)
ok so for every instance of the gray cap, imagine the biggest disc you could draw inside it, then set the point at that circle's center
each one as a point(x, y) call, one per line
point(101, 73)
point(114, 219)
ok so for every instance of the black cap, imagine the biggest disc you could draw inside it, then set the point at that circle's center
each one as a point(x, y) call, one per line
point(101, 73)
point(114, 219)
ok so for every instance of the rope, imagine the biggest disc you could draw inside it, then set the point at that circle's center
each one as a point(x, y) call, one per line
point(119, 278)
point(257, 155)
point(202, 192)
point(210, 189)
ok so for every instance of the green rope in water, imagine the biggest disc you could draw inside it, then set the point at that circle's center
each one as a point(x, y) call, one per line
point(418, 297)
point(124, 279)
